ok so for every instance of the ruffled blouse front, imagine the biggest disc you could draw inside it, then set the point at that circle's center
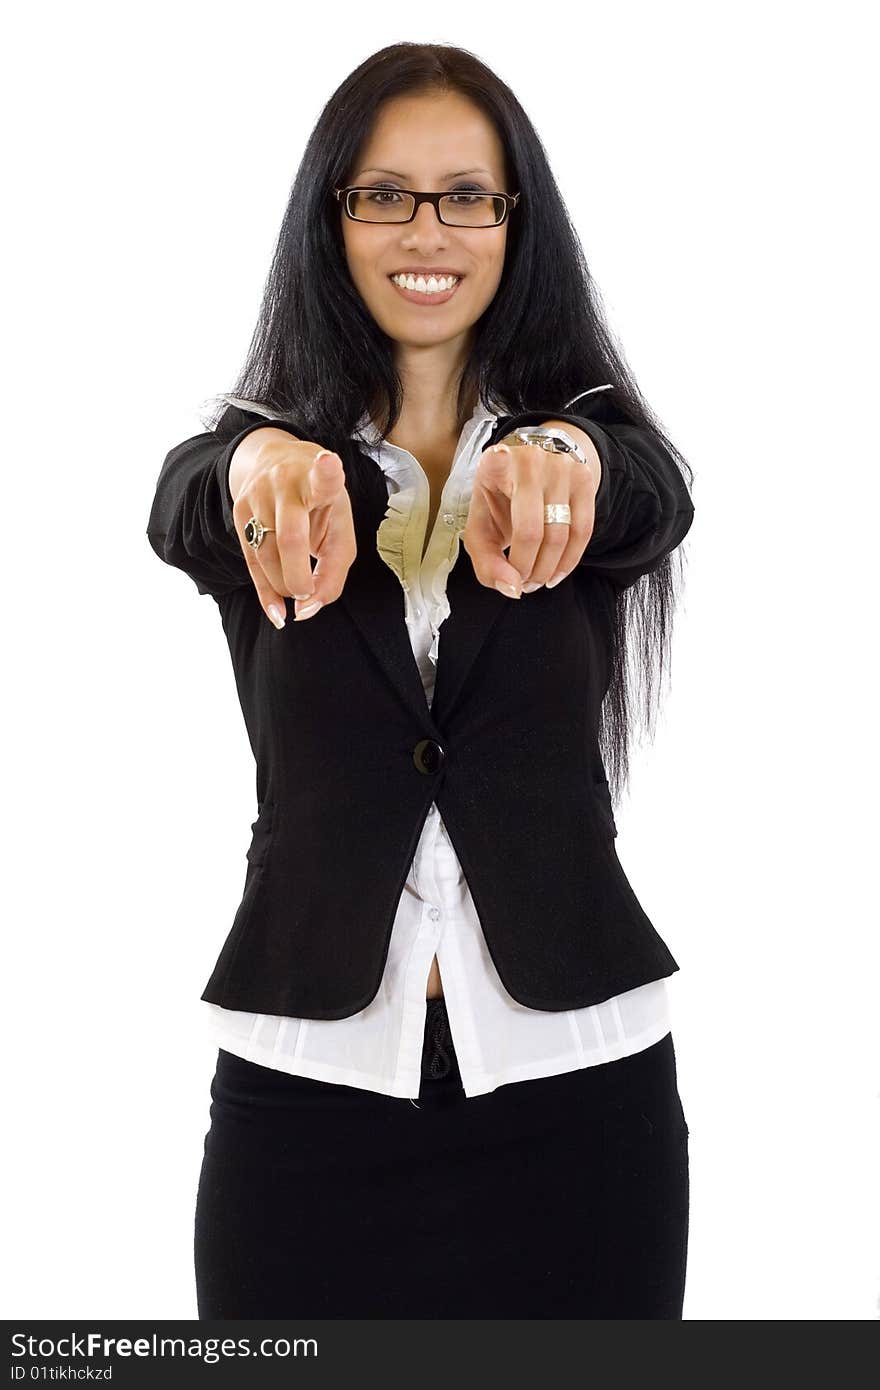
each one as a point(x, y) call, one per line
point(400, 537)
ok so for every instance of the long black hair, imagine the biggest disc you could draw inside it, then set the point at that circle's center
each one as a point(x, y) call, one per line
point(318, 357)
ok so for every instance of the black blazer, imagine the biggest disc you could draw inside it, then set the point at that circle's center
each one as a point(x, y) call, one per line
point(349, 756)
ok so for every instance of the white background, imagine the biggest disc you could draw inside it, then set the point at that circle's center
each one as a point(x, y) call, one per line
point(716, 163)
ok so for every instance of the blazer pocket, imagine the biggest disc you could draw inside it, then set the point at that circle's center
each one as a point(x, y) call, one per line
point(602, 794)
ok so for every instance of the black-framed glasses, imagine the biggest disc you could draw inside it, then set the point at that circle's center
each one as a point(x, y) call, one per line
point(462, 208)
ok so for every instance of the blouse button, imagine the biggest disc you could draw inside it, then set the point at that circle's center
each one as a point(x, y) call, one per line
point(449, 518)
point(434, 914)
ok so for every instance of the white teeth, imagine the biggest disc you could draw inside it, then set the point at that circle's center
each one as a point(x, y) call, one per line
point(435, 284)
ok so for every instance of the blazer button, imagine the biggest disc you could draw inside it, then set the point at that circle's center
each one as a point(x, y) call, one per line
point(428, 756)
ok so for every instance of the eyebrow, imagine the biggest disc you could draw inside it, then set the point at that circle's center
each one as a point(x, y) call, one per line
point(443, 177)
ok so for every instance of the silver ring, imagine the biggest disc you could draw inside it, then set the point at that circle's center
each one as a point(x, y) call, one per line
point(254, 531)
point(557, 512)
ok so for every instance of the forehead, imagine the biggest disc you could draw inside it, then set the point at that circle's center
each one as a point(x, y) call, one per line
point(432, 136)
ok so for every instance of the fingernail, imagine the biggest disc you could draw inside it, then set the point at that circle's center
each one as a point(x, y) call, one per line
point(557, 579)
point(500, 449)
point(309, 609)
point(530, 588)
point(308, 595)
point(276, 615)
point(505, 588)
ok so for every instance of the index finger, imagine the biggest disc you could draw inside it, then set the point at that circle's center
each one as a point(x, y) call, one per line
point(319, 522)
point(487, 531)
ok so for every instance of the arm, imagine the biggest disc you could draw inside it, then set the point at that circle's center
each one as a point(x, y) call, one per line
point(191, 525)
point(643, 509)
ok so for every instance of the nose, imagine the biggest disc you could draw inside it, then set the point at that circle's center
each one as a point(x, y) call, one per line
point(426, 229)
point(432, 212)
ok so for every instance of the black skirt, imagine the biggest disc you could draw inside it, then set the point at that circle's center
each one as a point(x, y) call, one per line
point(560, 1197)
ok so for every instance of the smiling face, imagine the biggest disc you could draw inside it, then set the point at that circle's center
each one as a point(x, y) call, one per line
point(443, 143)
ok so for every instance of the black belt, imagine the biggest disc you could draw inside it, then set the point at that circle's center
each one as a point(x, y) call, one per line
point(438, 1049)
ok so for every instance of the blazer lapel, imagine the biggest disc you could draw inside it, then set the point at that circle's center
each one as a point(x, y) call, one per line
point(473, 610)
point(374, 600)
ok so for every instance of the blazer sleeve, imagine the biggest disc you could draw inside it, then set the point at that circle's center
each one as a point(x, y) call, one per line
point(191, 525)
point(643, 509)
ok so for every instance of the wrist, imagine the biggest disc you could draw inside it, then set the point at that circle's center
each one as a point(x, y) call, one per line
point(591, 453)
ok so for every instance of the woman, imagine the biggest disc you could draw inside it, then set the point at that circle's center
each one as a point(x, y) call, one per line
point(446, 1083)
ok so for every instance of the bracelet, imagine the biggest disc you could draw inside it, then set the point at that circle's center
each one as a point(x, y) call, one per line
point(550, 437)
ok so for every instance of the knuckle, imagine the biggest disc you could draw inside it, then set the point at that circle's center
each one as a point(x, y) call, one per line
point(557, 539)
point(290, 533)
point(530, 531)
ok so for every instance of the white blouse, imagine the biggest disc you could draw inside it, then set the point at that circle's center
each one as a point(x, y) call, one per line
point(497, 1040)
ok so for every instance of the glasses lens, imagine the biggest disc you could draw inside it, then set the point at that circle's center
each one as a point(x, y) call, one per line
point(471, 209)
point(380, 205)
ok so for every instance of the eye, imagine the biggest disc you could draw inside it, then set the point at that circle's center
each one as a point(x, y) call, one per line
point(378, 194)
point(465, 199)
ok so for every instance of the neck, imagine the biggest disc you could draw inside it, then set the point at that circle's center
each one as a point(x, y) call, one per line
point(430, 378)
